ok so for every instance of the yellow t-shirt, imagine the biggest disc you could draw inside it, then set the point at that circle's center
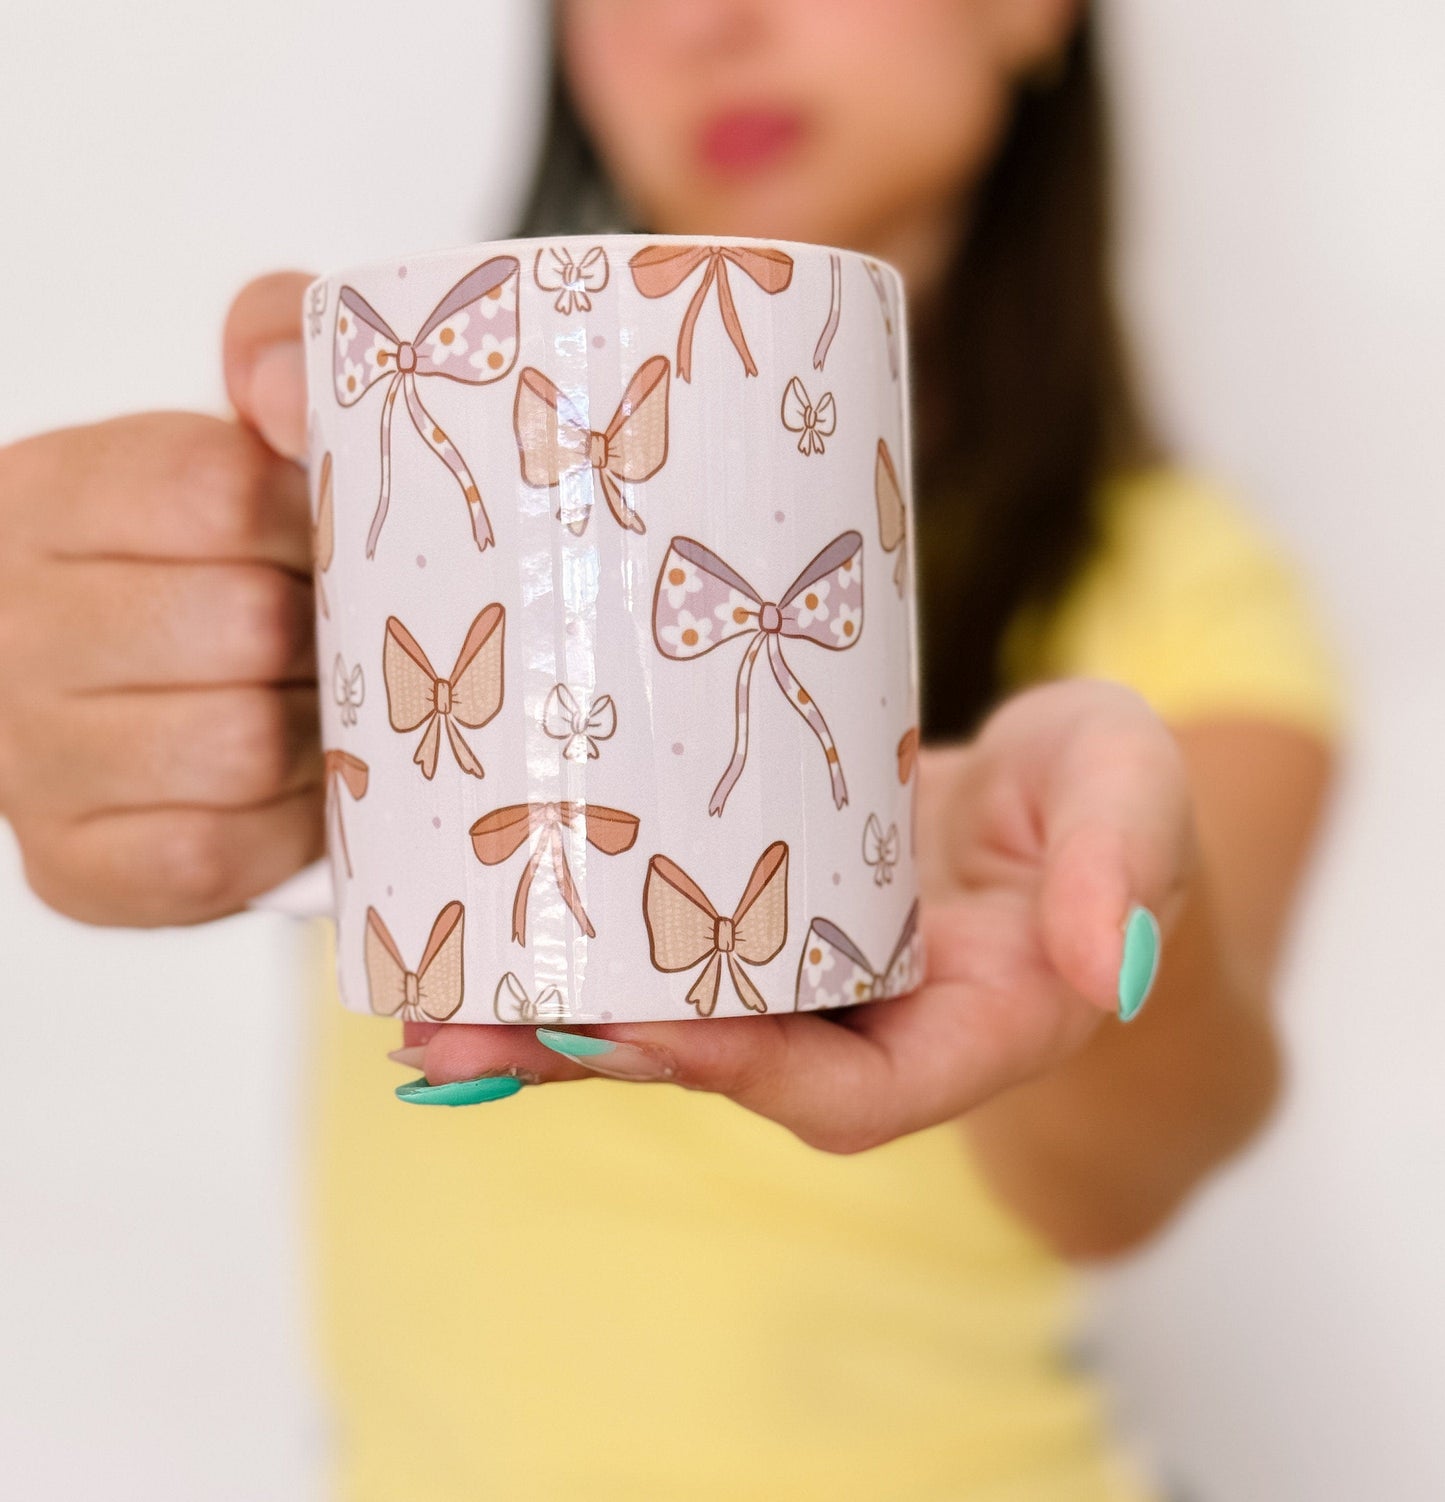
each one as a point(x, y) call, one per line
point(610, 1291)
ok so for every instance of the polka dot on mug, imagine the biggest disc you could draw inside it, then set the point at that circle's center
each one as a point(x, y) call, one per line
point(677, 748)
point(421, 560)
point(599, 341)
point(837, 878)
point(778, 516)
point(401, 272)
point(388, 892)
point(607, 1016)
point(436, 822)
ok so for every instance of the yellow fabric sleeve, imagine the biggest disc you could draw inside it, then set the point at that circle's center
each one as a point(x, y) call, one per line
point(1194, 604)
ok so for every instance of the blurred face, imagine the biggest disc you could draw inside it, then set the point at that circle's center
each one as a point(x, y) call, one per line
point(851, 122)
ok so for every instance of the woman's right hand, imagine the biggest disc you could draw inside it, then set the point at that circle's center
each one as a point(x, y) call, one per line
point(159, 751)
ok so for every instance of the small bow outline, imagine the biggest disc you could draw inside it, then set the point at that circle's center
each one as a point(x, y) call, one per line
point(812, 424)
point(563, 719)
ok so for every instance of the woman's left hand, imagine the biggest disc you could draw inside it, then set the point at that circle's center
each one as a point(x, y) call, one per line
point(1037, 839)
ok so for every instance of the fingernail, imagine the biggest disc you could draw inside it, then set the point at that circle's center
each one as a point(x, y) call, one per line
point(411, 1057)
point(278, 397)
point(459, 1092)
point(1140, 963)
point(618, 1061)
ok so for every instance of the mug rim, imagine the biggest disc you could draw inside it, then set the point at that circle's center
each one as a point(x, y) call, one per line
point(468, 250)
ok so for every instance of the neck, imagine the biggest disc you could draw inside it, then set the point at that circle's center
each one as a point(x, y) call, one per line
point(922, 246)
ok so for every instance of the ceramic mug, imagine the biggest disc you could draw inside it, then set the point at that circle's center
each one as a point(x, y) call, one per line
point(615, 627)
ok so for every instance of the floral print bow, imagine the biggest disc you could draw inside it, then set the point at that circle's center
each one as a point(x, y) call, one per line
point(563, 719)
point(701, 602)
point(430, 993)
point(415, 694)
point(660, 269)
point(470, 336)
point(572, 281)
point(811, 424)
point(497, 836)
point(510, 1003)
point(684, 929)
point(834, 972)
point(555, 441)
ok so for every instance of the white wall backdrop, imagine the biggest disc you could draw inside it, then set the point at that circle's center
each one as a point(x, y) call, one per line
point(1285, 252)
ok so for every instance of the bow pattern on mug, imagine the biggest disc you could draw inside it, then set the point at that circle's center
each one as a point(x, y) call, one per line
point(348, 689)
point(471, 696)
point(470, 336)
point(660, 269)
point(834, 972)
point(563, 719)
point(892, 513)
point(510, 1003)
point(498, 836)
point(341, 769)
point(684, 929)
point(823, 605)
point(812, 424)
point(880, 850)
point(572, 281)
point(323, 533)
point(430, 993)
point(555, 442)
point(885, 306)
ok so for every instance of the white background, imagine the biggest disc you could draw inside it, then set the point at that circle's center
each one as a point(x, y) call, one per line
point(1285, 262)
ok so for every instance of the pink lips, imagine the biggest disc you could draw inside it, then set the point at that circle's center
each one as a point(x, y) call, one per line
point(742, 141)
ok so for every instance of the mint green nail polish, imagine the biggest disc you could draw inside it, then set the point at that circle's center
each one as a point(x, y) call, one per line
point(459, 1092)
point(1140, 963)
point(574, 1045)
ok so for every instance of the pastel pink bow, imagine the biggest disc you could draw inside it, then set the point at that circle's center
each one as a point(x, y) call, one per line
point(701, 602)
point(470, 336)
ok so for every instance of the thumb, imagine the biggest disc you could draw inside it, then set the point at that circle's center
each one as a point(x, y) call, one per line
point(1119, 853)
point(264, 361)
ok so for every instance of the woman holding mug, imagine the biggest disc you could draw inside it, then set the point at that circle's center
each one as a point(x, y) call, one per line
point(832, 1264)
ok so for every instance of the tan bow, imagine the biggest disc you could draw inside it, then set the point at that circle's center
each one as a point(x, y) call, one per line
point(342, 769)
point(555, 441)
point(907, 753)
point(498, 836)
point(660, 269)
point(430, 993)
point(684, 929)
point(892, 513)
point(471, 696)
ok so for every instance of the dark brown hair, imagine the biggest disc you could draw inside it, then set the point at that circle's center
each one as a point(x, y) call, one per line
point(1023, 400)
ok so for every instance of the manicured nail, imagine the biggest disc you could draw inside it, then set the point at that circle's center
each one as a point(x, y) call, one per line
point(459, 1092)
point(618, 1061)
point(411, 1057)
point(1140, 963)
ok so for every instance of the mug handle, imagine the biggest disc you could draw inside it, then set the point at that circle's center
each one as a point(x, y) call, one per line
point(309, 893)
